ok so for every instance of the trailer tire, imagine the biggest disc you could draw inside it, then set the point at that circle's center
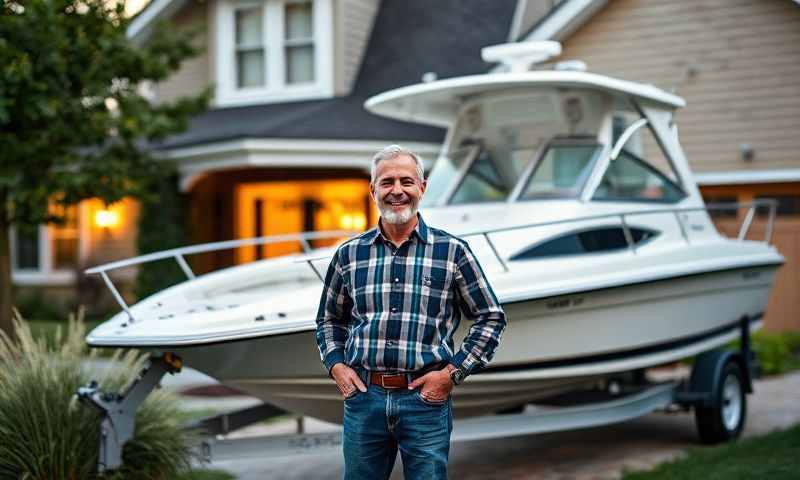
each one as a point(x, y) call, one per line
point(725, 419)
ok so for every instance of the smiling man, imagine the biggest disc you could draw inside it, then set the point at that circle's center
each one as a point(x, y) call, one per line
point(393, 297)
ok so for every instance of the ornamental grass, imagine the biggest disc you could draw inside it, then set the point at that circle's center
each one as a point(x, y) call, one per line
point(45, 433)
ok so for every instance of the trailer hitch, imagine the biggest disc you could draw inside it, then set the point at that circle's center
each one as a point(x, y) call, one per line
point(118, 410)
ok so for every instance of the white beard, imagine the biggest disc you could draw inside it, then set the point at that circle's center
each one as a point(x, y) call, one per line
point(396, 218)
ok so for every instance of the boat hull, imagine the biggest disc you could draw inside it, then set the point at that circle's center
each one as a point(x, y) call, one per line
point(551, 345)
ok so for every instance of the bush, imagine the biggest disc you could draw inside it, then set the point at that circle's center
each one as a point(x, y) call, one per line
point(778, 352)
point(46, 433)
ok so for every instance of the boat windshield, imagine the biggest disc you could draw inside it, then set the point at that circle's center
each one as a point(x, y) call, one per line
point(562, 171)
point(498, 141)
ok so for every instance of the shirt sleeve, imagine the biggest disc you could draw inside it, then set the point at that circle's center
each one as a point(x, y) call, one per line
point(333, 316)
point(481, 306)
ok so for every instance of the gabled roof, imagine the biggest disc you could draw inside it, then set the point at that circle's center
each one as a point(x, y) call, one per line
point(409, 38)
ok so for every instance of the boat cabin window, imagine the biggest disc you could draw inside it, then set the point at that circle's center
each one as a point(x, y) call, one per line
point(562, 171)
point(641, 172)
point(490, 180)
point(596, 240)
point(498, 140)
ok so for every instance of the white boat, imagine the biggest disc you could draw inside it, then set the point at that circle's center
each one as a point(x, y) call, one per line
point(573, 191)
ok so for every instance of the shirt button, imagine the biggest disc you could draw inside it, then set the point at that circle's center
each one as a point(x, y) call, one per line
point(394, 309)
point(390, 343)
point(396, 280)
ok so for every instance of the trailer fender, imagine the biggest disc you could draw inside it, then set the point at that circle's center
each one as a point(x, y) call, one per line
point(707, 374)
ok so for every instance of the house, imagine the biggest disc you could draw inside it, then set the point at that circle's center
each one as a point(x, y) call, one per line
point(286, 144)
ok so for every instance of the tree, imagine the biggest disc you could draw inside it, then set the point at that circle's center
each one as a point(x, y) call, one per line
point(73, 123)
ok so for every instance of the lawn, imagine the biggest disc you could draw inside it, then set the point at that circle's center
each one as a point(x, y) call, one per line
point(775, 456)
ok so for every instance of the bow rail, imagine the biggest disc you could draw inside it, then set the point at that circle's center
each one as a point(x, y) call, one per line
point(179, 255)
point(303, 238)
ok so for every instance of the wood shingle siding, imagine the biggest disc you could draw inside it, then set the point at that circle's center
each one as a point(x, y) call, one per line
point(195, 73)
point(736, 62)
point(354, 24)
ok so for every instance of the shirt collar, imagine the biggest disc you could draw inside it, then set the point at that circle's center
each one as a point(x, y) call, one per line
point(421, 231)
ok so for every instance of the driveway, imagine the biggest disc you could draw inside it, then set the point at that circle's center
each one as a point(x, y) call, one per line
point(597, 453)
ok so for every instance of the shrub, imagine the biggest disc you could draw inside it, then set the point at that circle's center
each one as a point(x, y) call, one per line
point(777, 351)
point(47, 434)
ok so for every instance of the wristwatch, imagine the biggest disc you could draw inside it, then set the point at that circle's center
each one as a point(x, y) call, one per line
point(457, 375)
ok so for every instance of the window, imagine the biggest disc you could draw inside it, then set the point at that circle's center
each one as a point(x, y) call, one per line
point(788, 205)
point(721, 212)
point(64, 239)
point(445, 171)
point(631, 178)
point(47, 252)
point(299, 43)
point(486, 182)
point(561, 172)
point(26, 249)
point(597, 240)
point(641, 171)
point(250, 65)
point(273, 50)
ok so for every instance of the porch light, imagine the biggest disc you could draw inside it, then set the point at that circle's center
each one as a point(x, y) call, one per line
point(353, 221)
point(106, 218)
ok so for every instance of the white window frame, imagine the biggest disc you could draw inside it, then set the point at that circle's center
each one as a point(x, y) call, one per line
point(276, 89)
point(46, 274)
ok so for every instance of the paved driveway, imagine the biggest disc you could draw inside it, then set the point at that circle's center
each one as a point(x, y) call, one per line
point(598, 453)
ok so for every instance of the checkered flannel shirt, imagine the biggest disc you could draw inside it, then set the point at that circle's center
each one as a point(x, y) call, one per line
point(388, 308)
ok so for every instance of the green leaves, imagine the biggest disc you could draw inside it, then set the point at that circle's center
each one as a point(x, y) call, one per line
point(59, 62)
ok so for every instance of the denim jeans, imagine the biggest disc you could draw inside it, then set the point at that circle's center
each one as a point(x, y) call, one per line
point(379, 421)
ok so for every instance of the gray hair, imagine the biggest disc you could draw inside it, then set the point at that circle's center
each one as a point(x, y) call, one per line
point(394, 151)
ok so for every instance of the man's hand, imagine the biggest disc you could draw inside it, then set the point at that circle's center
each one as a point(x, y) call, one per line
point(347, 380)
point(436, 385)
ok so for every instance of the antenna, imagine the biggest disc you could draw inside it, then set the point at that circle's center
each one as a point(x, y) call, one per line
point(520, 56)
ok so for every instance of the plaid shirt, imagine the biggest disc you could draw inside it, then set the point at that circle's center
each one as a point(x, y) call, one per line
point(388, 308)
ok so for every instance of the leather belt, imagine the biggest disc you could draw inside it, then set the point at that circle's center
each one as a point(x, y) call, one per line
point(389, 381)
point(392, 381)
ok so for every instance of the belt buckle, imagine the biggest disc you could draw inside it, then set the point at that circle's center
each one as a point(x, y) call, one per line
point(383, 380)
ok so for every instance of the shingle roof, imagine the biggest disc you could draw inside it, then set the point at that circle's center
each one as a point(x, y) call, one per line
point(409, 38)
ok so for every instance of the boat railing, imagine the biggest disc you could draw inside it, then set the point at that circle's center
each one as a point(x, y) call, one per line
point(179, 254)
point(751, 207)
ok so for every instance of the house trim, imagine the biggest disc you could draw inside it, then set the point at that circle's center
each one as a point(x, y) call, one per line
point(141, 25)
point(740, 177)
point(564, 19)
point(196, 161)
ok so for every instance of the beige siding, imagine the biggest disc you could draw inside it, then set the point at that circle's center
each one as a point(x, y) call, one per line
point(354, 21)
point(195, 73)
point(736, 62)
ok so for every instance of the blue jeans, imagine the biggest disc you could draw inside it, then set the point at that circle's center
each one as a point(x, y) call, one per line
point(379, 421)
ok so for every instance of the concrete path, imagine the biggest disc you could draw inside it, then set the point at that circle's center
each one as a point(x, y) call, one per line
point(599, 453)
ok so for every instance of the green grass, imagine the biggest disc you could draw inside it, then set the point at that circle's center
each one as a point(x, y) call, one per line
point(775, 456)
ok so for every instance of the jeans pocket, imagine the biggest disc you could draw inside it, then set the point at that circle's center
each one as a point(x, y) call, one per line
point(430, 402)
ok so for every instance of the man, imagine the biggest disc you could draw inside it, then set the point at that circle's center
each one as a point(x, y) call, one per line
point(390, 305)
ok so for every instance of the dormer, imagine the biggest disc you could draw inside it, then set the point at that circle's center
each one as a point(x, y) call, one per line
point(266, 51)
point(273, 50)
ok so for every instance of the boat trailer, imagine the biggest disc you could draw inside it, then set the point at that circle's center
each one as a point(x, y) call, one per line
point(716, 391)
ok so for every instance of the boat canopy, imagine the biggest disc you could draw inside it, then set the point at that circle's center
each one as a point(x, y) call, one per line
point(438, 103)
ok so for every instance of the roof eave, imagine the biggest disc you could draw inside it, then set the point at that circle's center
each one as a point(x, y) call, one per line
point(565, 19)
point(142, 24)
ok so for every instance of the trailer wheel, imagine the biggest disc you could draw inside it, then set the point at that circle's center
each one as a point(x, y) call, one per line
point(725, 419)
